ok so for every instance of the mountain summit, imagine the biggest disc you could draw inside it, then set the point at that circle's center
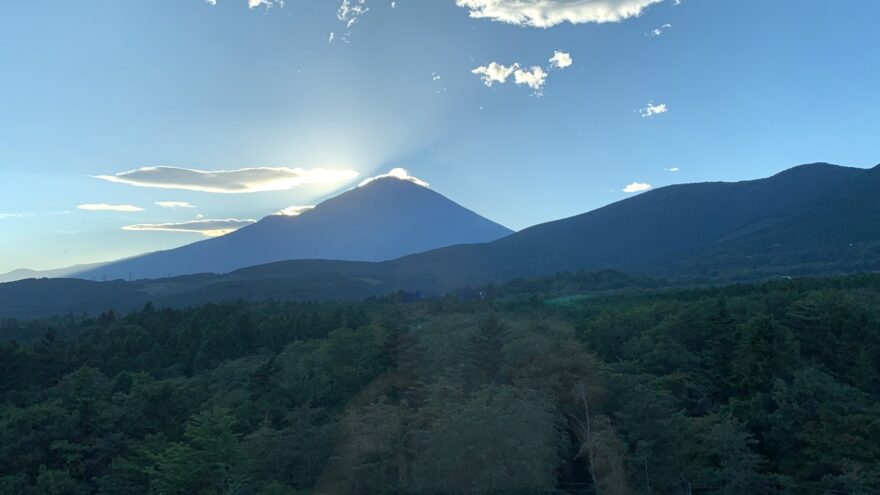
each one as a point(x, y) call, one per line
point(384, 218)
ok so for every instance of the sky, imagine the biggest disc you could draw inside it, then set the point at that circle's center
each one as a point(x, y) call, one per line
point(132, 126)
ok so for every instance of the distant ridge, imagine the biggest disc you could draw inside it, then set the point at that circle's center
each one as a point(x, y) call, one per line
point(810, 220)
point(25, 273)
point(387, 218)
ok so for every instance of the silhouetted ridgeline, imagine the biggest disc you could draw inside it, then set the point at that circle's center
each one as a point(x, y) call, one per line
point(814, 219)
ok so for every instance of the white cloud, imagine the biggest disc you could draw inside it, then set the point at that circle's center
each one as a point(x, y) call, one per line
point(533, 78)
point(293, 211)
point(174, 204)
point(31, 214)
point(658, 31)
point(637, 187)
point(494, 73)
point(549, 13)
point(560, 60)
point(252, 4)
point(207, 228)
point(673, 169)
point(106, 207)
point(349, 12)
point(652, 109)
point(397, 173)
point(246, 180)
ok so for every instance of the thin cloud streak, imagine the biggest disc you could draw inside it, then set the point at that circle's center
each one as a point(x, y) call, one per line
point(205, 227)
point(245, 180)
point(107, 207)
point(549, 13)
point(174, 204)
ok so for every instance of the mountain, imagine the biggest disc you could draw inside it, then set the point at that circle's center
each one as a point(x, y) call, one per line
point(838, 232)
point(812, 219)
point(384, 219)
point(25, 273)
point(636, 231)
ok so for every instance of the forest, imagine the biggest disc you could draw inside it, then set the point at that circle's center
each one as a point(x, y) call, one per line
point(573, 384)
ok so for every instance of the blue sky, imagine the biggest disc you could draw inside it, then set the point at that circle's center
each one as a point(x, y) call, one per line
point(98, 88)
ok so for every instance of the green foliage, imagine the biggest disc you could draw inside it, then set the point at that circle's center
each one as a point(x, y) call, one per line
point(769, 388)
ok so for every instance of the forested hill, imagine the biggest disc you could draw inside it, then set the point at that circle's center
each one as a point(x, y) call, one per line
point(537, 388)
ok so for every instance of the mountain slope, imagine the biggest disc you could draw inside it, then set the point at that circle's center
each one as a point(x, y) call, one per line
point(384, 219)
point(25, 273)
point(839, 232)
point(820, 218)
point(637, 230)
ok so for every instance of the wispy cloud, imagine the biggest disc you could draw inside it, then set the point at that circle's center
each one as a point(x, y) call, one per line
point(658, 31)
point(253, 4)
point(246, 180)
point(652, 110)
point(106, 207)
point(672, 169)
point(397, 173)
point(174, 204)
point(637, 187)
point(549, 13)
point(348, 13)
point(534, 77)
point(294, 211)
point(31, 214)
point(205, 227)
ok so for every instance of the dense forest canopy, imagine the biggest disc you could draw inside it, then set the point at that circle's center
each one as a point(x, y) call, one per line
point(538, 386)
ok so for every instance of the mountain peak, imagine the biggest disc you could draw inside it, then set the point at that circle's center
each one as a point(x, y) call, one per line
point(400, 174)
point(386, 217)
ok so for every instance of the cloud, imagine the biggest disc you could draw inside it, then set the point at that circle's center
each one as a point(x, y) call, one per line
point(205, 227)
point(658, 31)
point(31, 214)
point(174, 204)
point(246, 180)
point(397, 173)
point(672, 169)
point(494, 73)
point(294, 211)
point(106, 207)
point(252, 4)
point(637, 187)
point(533, 78)
point(549, 13)
point(560, 60)
point(348, 13)
point(652, 109)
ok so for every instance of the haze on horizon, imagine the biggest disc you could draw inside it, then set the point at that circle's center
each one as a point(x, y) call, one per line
point(134, 126)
